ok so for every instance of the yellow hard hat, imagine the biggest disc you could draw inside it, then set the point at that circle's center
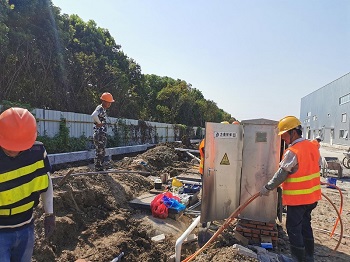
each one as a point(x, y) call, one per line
point(288, 123)
point(224, 122)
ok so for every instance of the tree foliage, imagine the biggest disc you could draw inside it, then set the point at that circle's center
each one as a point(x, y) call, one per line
point(60, 62)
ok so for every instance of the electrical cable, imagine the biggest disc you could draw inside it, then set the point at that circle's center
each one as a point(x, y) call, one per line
point(240, 209)
point(224, 225)
point(340, 208)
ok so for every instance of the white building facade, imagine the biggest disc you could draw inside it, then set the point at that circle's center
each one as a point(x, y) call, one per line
point(326, 112)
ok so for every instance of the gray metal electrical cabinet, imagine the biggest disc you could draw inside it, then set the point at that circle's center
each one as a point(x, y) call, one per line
point(261, 157)
point(239, 160)
point(222, 170)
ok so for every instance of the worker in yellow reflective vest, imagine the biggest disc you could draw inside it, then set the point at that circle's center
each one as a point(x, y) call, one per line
point(299, 174)
point(24, 177)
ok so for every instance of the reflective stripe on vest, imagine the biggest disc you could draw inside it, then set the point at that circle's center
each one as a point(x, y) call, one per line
point(23, 171)
point(303, 187)
point(18, 193)
point(16, 210)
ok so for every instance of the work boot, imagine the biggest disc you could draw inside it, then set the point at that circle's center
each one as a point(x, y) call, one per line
point(309, 244)
point(298, 253)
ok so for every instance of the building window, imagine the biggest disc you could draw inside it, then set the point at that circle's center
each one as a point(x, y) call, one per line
point(308, 114)
point(314, 118)
point(345, 136)
point(344, 99)
point(343, 118)
point(341, 133)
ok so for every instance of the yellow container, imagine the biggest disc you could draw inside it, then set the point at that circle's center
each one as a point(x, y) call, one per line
point(176, 183)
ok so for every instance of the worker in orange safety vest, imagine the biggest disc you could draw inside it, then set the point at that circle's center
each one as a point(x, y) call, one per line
point(201, 153)
point(317, 141)
point(299, 174)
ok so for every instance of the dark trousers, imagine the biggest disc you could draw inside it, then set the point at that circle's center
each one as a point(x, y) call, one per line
point(299, 224)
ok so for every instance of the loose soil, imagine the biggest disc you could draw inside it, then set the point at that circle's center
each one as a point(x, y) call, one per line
point(95, 222)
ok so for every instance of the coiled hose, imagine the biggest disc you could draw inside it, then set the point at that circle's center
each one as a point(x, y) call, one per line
point(244, 205)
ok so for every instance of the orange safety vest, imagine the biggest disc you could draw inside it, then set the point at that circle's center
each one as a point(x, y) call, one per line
point(201, 152)
point(304, 186)
point(316, 143)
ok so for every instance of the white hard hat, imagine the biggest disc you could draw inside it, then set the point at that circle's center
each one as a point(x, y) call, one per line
point(318, 138)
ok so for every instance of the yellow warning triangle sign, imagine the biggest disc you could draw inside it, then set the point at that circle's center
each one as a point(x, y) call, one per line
point(224, 160)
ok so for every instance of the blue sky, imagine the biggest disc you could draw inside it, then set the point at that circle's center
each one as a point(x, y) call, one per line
point(254, 58)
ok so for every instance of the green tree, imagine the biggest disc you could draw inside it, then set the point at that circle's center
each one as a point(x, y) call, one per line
point(59, 61)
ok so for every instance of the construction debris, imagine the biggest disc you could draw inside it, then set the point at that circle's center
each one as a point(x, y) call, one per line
point(96, 222)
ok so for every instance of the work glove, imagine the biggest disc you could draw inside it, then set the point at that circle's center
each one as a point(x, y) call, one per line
point(49, 225)
point(264, 191)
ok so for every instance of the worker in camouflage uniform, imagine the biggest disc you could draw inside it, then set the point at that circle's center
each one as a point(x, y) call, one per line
point(100, 129)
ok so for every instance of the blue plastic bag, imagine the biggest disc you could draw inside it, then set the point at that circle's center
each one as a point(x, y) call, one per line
point(173, 203)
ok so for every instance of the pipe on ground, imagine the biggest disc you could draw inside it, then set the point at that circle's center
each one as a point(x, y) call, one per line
point(180, 240)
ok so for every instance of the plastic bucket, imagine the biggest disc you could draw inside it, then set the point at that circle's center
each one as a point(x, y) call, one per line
point(158, 184)
point(332, 181)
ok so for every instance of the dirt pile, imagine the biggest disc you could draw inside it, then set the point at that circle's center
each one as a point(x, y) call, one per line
point(96, 222)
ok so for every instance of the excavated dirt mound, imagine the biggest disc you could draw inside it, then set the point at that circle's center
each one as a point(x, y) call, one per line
point(95, 221)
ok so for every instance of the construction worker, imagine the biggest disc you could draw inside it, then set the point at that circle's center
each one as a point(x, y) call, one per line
point(24, 177)
point(299, 175)
point(100, 129)
point(317, 141)
point(201, 153)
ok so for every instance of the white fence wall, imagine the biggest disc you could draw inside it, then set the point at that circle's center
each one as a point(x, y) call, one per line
point(82, 124)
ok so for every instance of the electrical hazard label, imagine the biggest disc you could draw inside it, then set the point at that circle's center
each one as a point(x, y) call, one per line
point(224, 160)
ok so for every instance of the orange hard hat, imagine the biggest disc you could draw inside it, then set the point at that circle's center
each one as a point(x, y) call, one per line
point(107, 97)
point(17, 129)
point(235, 123)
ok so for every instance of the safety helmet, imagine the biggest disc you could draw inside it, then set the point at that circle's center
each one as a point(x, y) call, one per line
point(318, 138)
point(224, 122)
point(288, 123)
point(17, 129)
point(107, 97)
point(235, 123)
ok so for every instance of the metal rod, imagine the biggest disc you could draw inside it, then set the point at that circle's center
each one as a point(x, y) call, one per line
point(188, 153)
point(187, 150)
point(105, 172)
